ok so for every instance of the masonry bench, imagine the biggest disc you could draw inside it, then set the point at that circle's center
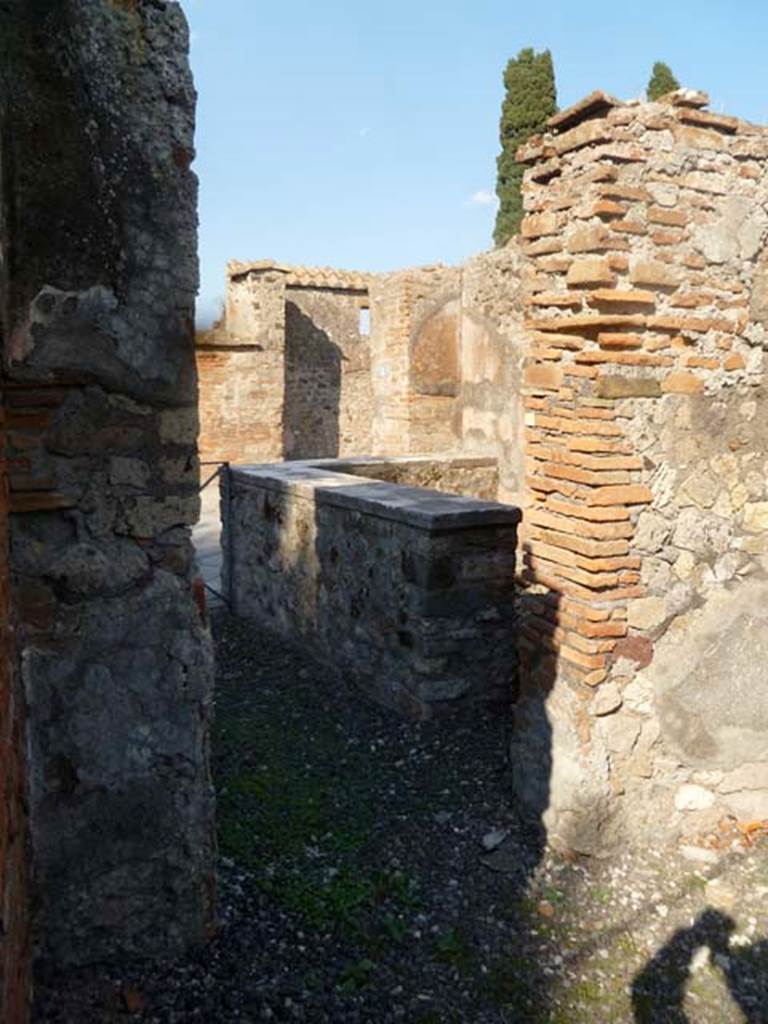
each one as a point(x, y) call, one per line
point(407, 590)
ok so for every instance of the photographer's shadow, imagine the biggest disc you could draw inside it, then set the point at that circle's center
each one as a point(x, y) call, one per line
point(658, 991)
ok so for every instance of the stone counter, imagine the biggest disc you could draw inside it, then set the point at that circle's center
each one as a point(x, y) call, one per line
point(408, 591)
point(471, 476)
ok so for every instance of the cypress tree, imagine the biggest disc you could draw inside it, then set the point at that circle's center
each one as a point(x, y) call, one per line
point(530, 98)
point(661, 82)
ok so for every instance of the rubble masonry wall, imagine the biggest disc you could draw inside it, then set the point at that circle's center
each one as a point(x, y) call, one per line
point(646, 515)
point(288, 373)
point(100, 400)
point(408, 592)
point(327, 401)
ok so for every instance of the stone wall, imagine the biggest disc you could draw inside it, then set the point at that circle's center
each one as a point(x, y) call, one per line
point(327, 397)
point(646, 457)
point(287, 373)
point(14, 858)
point(416, 361)
point(407, 591)
point(97, 325)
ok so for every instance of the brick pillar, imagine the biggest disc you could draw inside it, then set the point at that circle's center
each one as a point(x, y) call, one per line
point(643, 223)
point(391, 316)
point(241, 368)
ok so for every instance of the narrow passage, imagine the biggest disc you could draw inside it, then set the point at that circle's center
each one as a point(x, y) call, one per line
point(372, 871)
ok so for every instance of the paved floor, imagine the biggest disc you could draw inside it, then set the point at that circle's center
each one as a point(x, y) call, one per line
point(206, 536)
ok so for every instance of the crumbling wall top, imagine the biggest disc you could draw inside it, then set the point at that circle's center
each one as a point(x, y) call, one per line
point(601, 118)
point(304, 277)
point(595, 104)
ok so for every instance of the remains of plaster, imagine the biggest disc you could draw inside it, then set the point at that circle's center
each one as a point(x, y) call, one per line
point(99, 391)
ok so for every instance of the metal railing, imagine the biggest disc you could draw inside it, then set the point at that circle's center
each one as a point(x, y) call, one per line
point(222, 470)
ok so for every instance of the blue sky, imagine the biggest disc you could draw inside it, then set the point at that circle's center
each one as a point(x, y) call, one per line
point(364, 135)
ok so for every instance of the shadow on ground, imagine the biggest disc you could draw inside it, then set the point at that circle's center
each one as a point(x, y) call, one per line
point(660, 989)
point(380, 835)
point(359, 884)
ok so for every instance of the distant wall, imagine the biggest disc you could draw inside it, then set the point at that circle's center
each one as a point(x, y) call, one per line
point(290, 374)
point(287, 374)
point(327, 392)
point(415, 360)
point(241, 373)
point(493, 345)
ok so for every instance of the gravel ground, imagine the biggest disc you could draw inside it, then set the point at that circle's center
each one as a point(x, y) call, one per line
point(372, 870)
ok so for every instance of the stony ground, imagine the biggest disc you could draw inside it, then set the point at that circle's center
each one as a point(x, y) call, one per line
point(373, 871)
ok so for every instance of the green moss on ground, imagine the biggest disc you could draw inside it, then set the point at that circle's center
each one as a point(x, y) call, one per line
point(298, 814)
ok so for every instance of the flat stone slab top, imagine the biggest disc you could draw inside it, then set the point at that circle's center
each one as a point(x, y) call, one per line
point(340, 482)
point(407, 590)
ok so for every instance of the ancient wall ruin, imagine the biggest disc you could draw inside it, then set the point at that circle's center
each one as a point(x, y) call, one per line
point(287, 374)
point(629, 324)
point(241, 370)
point(99, 391)
point(290, 374)
point(645, 522)
point(493, 344)
point(415, 361)
point(408, 592)
point(327, 394)
point(611, 361)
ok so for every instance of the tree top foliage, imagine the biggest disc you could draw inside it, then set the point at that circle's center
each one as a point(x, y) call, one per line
point(530, 99)
point(661, 82)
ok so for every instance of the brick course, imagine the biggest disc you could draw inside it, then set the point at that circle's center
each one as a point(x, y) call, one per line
point(645, 247)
